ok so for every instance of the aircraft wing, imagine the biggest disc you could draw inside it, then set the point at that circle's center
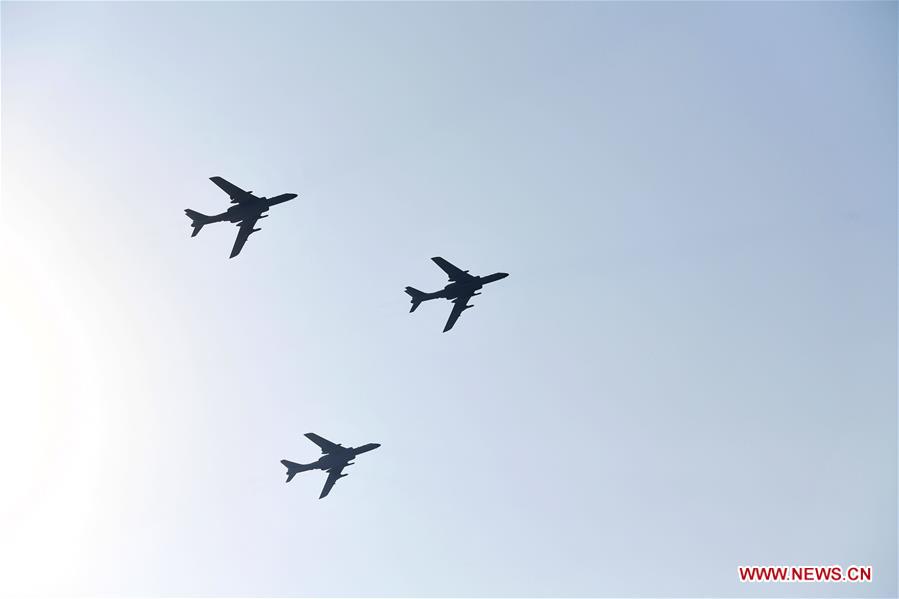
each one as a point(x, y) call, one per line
point(236, 194)
point(246, 229)
point(327, 446)
point(333, 475)
point(459, 305)
point(454, 272)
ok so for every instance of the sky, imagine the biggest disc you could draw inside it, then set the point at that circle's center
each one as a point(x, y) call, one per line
point(691, 367)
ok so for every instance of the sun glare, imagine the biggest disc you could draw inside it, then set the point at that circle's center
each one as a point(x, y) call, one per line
point(51, 428)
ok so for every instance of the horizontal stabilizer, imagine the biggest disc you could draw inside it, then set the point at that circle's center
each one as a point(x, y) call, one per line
point(417, 297)
point(197, 220)
point(293, 468)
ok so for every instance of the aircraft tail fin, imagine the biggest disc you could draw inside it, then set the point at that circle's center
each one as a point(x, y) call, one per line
point(293, 468)
point(417, 297)
point(197, 220)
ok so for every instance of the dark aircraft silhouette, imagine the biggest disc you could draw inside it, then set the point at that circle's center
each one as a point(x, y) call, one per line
point(462, 287)
point(247, 211)
point(336, 457)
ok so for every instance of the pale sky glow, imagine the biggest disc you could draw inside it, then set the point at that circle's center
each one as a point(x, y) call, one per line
point(691, 367)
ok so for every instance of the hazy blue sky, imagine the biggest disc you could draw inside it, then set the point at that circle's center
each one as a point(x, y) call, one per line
point(691, 367)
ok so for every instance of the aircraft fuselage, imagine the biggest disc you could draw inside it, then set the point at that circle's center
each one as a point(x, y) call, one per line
point(342, 458)
point(465, 288)
point(255, 208)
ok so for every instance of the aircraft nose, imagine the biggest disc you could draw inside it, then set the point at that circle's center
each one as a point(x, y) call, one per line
point(291, 196)
point(503, 275)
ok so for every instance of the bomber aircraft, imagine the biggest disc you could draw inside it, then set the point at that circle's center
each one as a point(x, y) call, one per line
point(247, 210)
point(461, 288)
point(336, 457)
